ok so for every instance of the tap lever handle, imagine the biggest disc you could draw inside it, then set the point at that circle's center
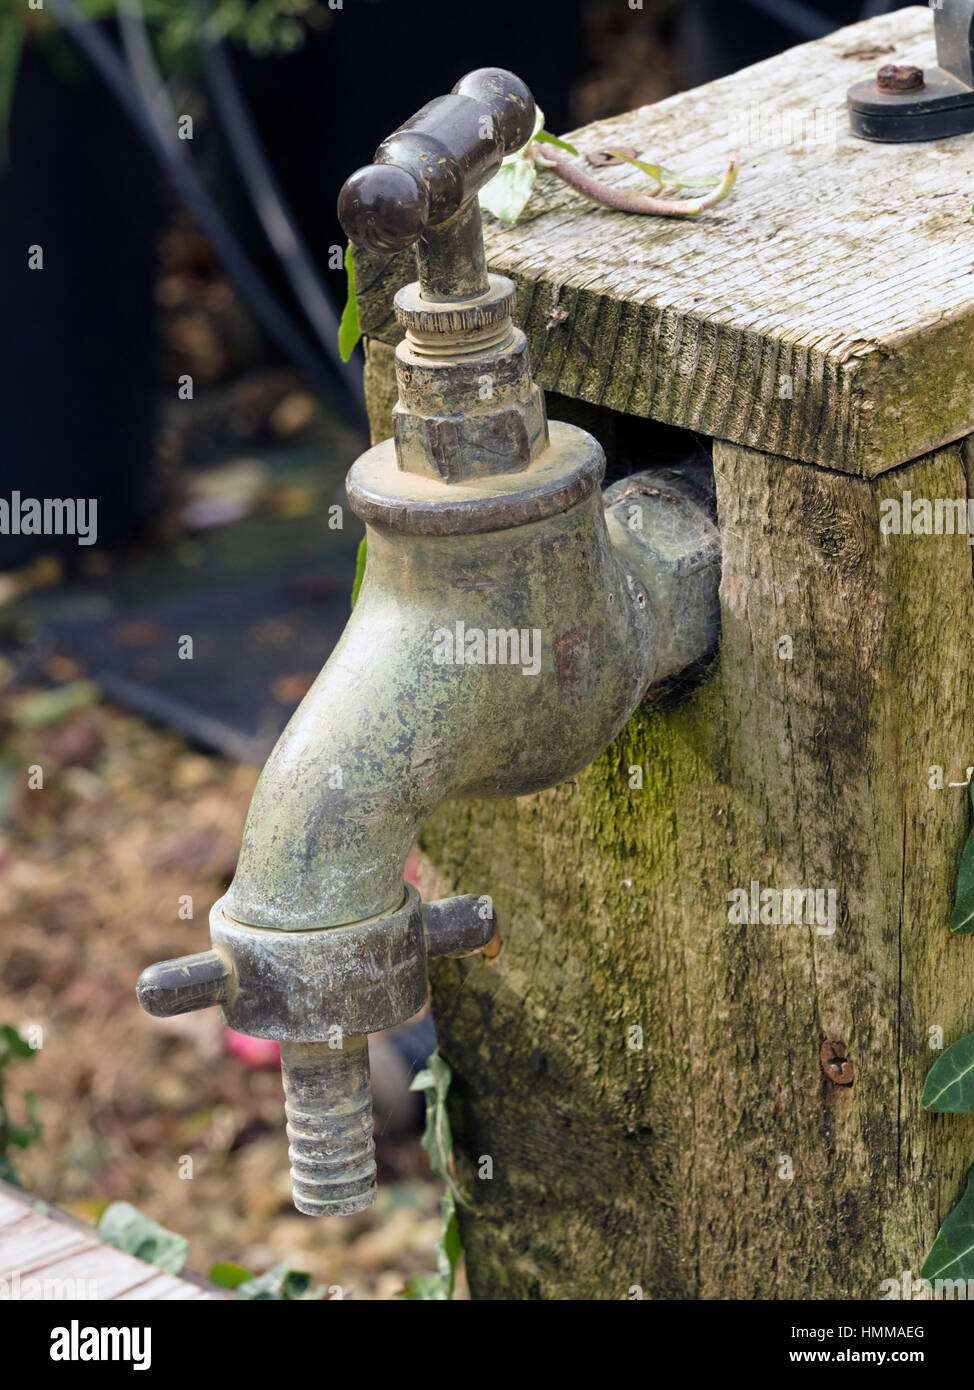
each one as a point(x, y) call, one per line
point(185, 984)
point(437, 161)
point(459, 926)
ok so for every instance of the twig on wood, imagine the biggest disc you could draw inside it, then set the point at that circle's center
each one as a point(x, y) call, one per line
point(627, 200)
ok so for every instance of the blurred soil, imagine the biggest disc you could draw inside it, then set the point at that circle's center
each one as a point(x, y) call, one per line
point(95, 866)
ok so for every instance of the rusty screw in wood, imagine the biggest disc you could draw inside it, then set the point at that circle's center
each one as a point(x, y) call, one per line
point(897, 77)
point(835, 1064)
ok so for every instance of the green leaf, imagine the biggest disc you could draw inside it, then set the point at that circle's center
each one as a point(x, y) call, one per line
point(952, 1253)
point(437, 1139)
point(962, 921)
point(439, 1286)
point(280, 1284)
point(349, 331)
point(227, 1275)
point(546, 138)
point(427, 1287)
point(10, 779)
point(450, 1247)
point(435, 1080)
point(12, 1045)
point(664, 176)
point(23, 1138)
point(360, 559)
point(130, 1230)
point(41, 708)
point(11, 46)
point(950, 1082)
point(507, 193)
point(297, 1285)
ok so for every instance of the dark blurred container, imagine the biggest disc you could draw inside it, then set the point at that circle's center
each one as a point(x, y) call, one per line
point(76, 354)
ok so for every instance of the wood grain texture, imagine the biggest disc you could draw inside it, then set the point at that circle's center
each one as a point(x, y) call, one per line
point(839, 270)
point(49, 1255)
point(659, 1167)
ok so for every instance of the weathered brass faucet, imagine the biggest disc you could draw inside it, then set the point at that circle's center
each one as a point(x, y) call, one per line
point(510, 621)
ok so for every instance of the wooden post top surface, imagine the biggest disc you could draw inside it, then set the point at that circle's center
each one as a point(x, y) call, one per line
point(825, 311)
point(47, 1254)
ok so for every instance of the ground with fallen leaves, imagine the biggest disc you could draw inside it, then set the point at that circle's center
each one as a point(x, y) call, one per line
point(94, 866)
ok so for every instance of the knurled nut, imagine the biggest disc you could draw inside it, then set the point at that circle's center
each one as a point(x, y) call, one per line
point(463, 316)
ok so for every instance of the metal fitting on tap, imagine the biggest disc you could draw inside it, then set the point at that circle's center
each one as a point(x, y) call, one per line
point(320, 993)
point(480, 518)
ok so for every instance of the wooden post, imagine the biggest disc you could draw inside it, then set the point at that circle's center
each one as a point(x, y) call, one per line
point(643, 1069)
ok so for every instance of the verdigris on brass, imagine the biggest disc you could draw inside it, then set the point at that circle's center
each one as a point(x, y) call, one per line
point(510, 621)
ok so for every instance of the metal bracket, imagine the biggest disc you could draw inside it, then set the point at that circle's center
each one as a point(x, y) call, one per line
point(908, 104)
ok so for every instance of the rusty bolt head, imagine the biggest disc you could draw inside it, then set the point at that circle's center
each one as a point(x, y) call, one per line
point(835, 1064)
point(896, 77)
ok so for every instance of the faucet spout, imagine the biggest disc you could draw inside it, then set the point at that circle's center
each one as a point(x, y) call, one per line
point(481, 664)
point(510, 620)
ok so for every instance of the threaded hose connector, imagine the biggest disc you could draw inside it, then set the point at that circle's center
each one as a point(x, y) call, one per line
point(328, 1104)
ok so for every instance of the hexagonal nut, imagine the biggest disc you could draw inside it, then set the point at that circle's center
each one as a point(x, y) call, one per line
point(451, 448)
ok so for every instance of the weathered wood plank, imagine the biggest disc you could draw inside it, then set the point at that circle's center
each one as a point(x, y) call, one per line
point(717, 1160)
point(50, 1255)
point(839, 271)
point(160, 1286)
point(32, 1245)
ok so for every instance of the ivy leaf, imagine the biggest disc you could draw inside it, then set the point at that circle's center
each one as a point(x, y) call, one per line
point(437, 1139)
point(664, 176)
point(20, 1137)
point(439, 1286)
point(962, 921)
point(227, 1275)
point(435, 1080)
point(950, 1082)
point(425, 1287)
point(360, 559)
point(280, 1285)
point(507, 193)
point(12, 1045)
point(349, 330)
point(952, 1253)
point(131, 1231)
point(450, 1247)
point(546, 138)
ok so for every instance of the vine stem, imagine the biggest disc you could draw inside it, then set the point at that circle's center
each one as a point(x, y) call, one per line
point(624, 200)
